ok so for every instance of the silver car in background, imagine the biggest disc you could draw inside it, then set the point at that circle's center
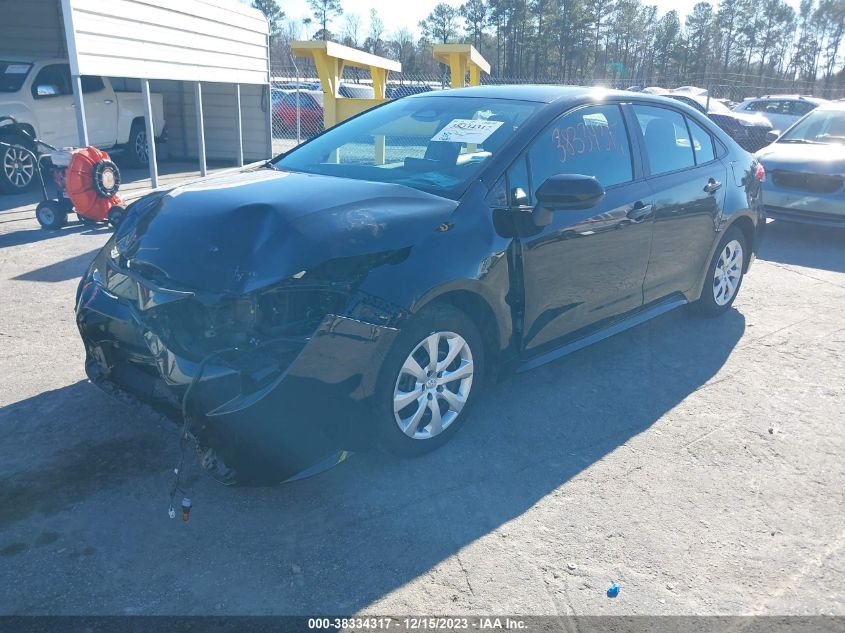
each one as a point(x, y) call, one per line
point(780, 110)
point(805, 169)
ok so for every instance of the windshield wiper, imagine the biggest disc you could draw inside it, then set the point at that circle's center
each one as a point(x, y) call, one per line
point(800, 140)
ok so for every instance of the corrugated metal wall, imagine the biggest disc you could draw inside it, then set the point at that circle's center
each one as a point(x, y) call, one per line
point(34, 29)
point(31, 28)
point(218, 101)
point(189, 40)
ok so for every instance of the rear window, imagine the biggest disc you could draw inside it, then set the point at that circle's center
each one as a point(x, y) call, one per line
point(12, 75)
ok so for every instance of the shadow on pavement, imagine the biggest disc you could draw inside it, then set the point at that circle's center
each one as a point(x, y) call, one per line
point(355, 533)
point(71, 268)
point(31, 236)
point(804, 245)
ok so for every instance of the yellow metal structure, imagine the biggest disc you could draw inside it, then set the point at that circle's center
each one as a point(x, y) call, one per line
point(330, 59)
point(462, 58)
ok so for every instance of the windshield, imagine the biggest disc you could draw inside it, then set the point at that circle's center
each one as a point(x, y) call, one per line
point(12, 75)
point(820, 126)
point(435, 144)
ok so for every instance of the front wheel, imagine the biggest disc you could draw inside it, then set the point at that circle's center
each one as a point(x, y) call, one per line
point(18, 167)
point(430, 377)
point(51, 214)
point(724, 275)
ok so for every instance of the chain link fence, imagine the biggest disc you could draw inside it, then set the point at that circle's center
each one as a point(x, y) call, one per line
point(297, 96)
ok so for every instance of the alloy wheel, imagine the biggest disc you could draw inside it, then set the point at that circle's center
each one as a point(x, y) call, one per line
point(18, 166)
point(728, 272)
point(433, 385)
point(141, 150)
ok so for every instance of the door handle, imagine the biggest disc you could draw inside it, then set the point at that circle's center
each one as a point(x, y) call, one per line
point(712, 186)
point(639, 212)
point(109, 101)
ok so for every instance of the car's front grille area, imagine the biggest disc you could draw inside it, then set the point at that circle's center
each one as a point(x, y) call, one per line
point(803, 181)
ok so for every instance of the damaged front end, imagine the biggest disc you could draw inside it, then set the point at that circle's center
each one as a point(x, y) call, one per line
point(271, 381)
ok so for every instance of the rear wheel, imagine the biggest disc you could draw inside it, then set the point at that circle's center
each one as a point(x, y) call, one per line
point(137, 146)
point(17, 166)
point(430, 377)
point(724, 275)
point(88, 221)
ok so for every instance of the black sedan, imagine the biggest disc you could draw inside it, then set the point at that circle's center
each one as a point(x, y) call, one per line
point(748, 130)
point(364, 287)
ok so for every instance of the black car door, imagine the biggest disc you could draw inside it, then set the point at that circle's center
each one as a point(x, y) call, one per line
point(688, 184)
point(587, 265)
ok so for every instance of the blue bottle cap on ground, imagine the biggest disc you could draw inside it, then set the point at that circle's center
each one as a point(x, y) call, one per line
point(613, 590)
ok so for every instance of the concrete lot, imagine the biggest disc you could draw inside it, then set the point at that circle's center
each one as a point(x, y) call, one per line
point(698, 463)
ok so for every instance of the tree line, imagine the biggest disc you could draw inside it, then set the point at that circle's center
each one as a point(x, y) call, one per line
point(613, 42)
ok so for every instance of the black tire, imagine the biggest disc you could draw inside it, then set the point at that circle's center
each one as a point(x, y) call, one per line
point(136, 146)
point(18, 166)
point(88, 221)
point(116, 215)
point(710, 304)
point(433, 319)
point(51, 214)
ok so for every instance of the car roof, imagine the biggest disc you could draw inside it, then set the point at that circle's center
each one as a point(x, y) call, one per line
point(792, 96)
point(832, 105)
point(531, 92)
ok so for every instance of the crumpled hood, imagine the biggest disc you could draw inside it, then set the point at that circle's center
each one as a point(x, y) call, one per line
point(825, 160)
point(241, 232)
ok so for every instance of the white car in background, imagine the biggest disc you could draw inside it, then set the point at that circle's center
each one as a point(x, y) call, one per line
point(39, 95)
point(780, 110)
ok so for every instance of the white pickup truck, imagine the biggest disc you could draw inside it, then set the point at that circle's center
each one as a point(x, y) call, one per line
point(39, 95)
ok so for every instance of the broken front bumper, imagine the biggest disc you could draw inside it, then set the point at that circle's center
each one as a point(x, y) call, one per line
point(269, 412)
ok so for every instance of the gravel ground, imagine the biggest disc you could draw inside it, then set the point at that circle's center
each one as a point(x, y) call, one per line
point(698, 463)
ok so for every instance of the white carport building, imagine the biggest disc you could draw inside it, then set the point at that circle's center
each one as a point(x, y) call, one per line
point(208, 58)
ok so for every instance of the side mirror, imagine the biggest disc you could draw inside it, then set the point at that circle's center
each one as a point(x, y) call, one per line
point(772, 136)
point(46, 90)
point(566, 191)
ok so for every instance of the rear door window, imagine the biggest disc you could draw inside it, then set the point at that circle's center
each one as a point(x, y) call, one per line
point(592, 141)
point(666, 139)
point(92, 83)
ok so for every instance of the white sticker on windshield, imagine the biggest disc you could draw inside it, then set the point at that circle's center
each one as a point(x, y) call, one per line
point(17, 69)
point(467, 131)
